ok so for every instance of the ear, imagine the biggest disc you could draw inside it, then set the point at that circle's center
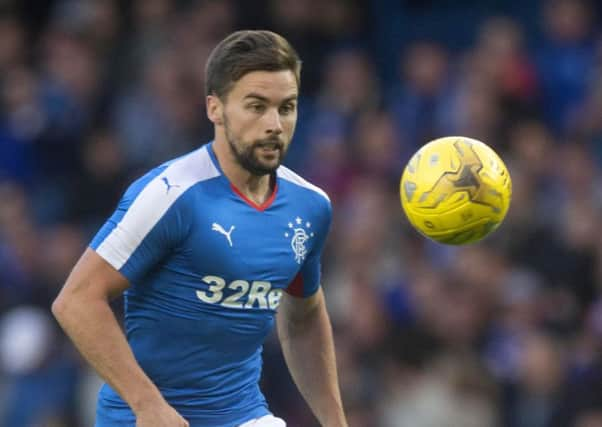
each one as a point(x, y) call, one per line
point(215, 110)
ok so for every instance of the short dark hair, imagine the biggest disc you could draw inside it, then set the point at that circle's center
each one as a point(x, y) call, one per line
point(245, 51)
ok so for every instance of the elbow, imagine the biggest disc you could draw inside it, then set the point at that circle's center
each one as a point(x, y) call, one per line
point(63, 304)
point(59, 307)
point(73, 299)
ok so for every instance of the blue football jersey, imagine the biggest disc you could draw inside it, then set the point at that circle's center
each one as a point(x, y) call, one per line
point(207, 268)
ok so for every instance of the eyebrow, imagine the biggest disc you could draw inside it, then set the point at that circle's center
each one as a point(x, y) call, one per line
point(264, 99)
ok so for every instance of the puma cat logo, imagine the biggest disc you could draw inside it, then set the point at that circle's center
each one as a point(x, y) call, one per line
point(216, 227)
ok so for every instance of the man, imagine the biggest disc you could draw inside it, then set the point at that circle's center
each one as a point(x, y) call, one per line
point(208, 247)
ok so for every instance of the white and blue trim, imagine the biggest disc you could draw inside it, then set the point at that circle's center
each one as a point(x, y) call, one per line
point(285, 173)
point(153, 200)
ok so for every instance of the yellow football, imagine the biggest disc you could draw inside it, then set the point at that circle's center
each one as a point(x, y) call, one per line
point(455, 190)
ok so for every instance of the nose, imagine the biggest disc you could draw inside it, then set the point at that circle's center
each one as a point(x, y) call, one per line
point(274, 123)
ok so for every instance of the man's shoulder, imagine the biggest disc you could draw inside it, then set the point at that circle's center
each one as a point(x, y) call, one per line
point(190, 168)
point(177, 175)
point(303, 184)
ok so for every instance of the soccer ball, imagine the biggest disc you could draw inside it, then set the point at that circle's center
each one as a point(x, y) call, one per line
point(455, 190)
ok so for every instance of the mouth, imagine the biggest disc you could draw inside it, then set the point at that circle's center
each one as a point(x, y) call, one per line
point(269, 147)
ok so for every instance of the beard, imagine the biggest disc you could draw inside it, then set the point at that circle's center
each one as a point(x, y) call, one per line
point(246, 154)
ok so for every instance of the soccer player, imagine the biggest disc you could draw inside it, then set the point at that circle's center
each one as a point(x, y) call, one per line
point(209, 248)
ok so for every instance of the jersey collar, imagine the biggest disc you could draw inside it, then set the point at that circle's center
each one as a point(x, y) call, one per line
point(260, 207)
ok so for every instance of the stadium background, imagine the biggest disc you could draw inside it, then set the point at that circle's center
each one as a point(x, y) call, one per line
point(506, 333)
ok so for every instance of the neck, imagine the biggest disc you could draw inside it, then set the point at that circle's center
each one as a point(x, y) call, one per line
point(256, 188)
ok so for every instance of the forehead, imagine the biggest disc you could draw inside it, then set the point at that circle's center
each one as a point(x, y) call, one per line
point(269, 84)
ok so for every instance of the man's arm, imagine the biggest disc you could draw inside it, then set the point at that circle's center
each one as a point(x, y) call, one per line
point(83, 311)
point(306, 337)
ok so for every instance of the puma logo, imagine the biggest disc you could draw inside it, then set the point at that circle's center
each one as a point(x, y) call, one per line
point(168, 185)
point(216, 227)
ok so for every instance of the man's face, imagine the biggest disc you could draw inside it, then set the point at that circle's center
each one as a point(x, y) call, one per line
point(259, 117)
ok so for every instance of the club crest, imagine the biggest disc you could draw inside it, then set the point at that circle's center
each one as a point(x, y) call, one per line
point(299, 232)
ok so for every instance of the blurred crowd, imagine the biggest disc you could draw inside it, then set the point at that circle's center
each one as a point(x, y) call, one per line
point(504, 333)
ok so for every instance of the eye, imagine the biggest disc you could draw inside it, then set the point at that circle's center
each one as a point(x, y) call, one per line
point(256, 107)
point(287, 108)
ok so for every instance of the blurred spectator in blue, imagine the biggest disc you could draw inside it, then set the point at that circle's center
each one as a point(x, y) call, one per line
point(150, 31)
point(158, 118)
point(565, 59)
point(349, 87)
point(533, 158)
point(326, 139)
point(421, 98)
point(588, 125)
point(18, 247)
point(70, 87)
point(531, 401)
point(501, 58)
point(316, 28)
point(104, 169)
point(22, 120)
point(377, 148)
